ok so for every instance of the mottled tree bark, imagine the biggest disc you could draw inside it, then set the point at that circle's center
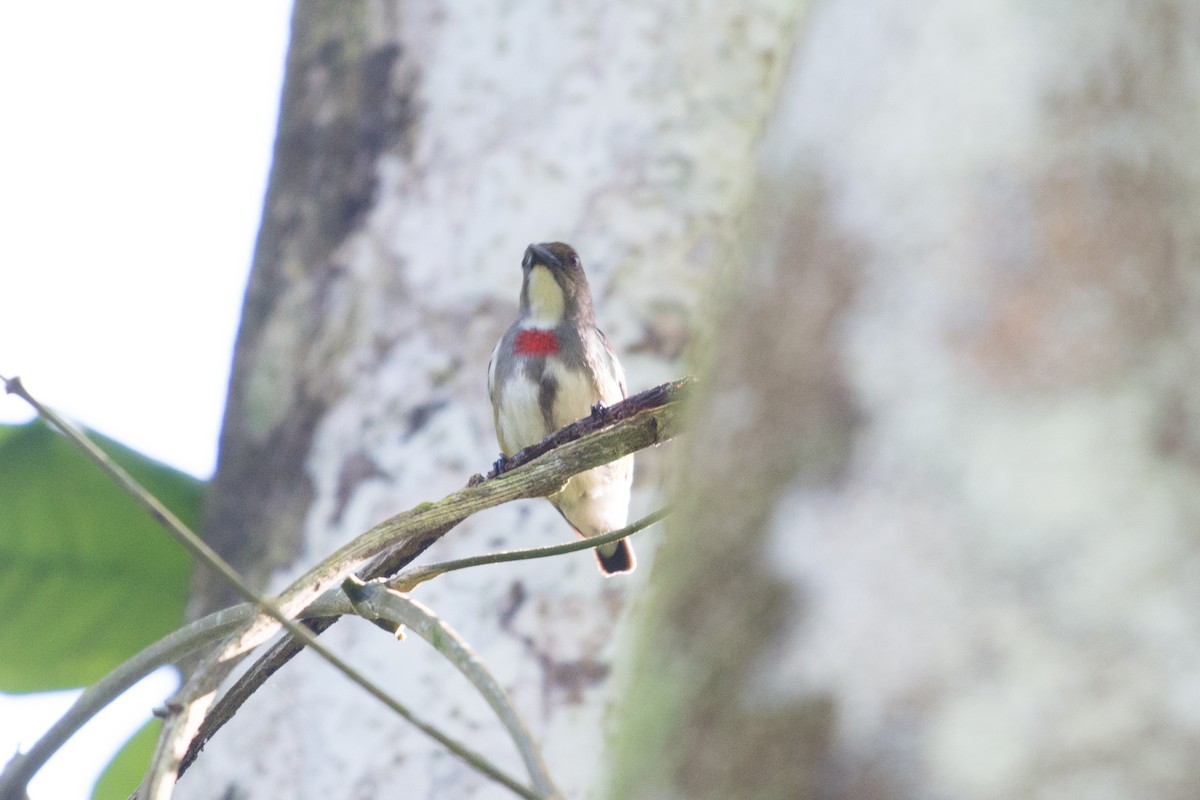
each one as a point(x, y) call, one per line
point(942, 494)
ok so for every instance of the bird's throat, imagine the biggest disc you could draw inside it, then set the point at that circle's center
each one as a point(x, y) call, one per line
point(544, 298)
point(536, 342)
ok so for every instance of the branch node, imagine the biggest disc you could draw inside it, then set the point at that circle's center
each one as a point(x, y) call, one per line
point(363, 597)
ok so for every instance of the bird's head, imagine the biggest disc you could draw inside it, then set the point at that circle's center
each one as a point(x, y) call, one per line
point(554, 288)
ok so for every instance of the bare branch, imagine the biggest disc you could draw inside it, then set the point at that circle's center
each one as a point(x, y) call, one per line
point(375, 601)
point(644, 420)
point(198, 548)
point(410, 579)
point(318, 622)
point(329, 606)
point(209, 631)
point(170, 649)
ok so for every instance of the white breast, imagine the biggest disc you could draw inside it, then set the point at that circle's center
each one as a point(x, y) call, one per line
point(519, 421)
point(575, 395)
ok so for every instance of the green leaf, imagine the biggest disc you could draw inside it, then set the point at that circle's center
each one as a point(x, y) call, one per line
point(123, 774)
point(86, 577)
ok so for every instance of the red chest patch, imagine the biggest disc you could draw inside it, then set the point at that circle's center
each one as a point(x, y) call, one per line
point(536, 343)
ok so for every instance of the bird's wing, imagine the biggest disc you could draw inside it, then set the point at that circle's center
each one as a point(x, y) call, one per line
point(491, 380)
point(610, 361)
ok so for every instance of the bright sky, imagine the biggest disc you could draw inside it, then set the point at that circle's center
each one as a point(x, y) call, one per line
point(134, 153)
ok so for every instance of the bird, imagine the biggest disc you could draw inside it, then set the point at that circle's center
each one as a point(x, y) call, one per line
point(551, 368)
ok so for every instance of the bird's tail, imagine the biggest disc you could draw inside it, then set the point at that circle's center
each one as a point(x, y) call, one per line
point(616, 557)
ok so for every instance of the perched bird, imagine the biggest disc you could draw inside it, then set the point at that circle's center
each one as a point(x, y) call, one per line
point(549, 370)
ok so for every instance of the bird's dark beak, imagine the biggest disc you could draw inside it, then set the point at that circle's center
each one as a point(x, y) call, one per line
point(540, 254)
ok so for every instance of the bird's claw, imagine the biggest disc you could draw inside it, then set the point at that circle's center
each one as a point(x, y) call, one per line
point(501, 465)
point(598, 412)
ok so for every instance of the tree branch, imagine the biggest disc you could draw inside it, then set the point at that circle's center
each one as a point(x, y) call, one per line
point(199, 549)
point(287, 648)
point(641, 421)
point(600, 418)
point(170, 649)
point(211, 629)
point(409, 579)
point(375, 601)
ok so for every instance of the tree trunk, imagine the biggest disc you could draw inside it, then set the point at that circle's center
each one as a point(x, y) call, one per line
point(421, 147)
point(941, 501)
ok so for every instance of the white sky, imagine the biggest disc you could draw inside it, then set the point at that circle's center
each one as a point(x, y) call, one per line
point(135, 147)
point(135, 141)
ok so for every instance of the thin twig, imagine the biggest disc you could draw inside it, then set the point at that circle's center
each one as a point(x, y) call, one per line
point(408, 580)
point(397, 541)
point(193, 543)
point(170, 649)
point(203, 552)
point(175, 646)
point(543, 476)
point(659, 396)
point(377, 602)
